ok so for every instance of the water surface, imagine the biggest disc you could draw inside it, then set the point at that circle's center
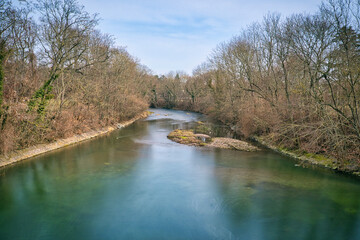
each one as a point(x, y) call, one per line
point(136, 184)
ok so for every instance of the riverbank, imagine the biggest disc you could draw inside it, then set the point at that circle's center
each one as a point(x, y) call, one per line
point(306, 158)
point(19, 155)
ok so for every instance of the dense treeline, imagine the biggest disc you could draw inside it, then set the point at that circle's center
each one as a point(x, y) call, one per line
point(295, 80)
point(60, 76)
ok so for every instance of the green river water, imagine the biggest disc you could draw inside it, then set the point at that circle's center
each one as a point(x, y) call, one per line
point(136, 184)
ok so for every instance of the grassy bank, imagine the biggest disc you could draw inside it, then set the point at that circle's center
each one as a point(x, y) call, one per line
point(307, 158)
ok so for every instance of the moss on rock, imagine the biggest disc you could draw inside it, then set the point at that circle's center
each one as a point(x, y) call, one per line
point(188, 137)
point(185, 137)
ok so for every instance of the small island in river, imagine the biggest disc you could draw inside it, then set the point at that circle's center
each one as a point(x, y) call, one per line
point(190, 138)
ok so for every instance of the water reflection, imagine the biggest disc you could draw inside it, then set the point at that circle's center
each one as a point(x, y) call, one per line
point(137, 184)
point(267, 202)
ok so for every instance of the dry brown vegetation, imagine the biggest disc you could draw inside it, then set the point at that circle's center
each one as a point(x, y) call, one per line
point(59, 76)
point(295, 80)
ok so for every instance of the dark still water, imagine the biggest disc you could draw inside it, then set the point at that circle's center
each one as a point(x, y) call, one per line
point(137, 184)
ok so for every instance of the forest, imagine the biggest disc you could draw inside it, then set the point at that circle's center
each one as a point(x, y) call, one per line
point(61, 76)
point(294, 80)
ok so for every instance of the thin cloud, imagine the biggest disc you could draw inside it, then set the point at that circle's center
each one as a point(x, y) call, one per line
point(178, 35)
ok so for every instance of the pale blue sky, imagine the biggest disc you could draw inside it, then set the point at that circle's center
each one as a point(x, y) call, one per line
point(168, 35)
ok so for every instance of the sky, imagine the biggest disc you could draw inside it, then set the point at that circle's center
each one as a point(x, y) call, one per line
point(179, 35)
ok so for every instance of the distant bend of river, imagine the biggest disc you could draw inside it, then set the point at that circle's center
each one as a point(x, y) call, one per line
point(136, 184)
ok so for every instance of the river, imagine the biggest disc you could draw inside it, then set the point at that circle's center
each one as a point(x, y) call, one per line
point(136, 184)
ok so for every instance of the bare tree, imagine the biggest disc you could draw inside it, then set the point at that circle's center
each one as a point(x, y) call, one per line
point(5, 24)
point(343, 81)
point(64, 35)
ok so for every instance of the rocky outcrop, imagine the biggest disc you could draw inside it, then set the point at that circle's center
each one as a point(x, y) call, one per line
point(230, 143)
point(190, 138)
